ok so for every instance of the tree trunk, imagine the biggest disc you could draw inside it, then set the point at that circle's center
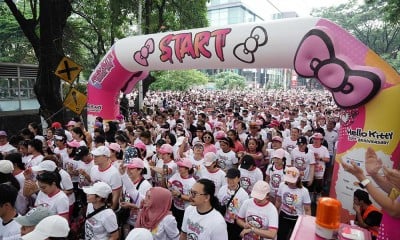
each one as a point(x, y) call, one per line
point(53, 17)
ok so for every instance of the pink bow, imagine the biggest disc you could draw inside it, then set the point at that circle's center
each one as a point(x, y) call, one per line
point(351, 85)
point(141, 56)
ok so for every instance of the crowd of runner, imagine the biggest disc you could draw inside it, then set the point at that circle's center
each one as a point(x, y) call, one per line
point(192, 165)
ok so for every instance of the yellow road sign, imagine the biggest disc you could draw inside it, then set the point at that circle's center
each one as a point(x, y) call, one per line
point(68, 70)
point(75, 101)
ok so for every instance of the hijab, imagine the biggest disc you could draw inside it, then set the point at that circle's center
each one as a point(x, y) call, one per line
point(160, 204)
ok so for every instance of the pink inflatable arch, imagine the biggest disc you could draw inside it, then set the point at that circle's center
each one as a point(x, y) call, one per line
point(361, 83)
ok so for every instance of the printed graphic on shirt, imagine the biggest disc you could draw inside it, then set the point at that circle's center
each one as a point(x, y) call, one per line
point(195, 228)
point(89, 233)
point(300, 163)
point(276, 179)
point(178, 186)
point(289, 201)
point(256, 222)
point(245, 183)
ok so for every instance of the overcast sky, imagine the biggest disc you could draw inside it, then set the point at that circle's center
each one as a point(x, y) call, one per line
point(302, 7)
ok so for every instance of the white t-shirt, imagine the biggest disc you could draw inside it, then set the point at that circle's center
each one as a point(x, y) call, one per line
point(302, 162)
point(99, 226)
point(226, 160)
point(166, 229)
point(182, 185)
point(275, 178)
point(249, 178)
point(289, 144)
point(87, 167)
point(58, 203)
point(224, 195)
point(293, 200)
point(171, 165)
point(63, 154)
point(207, 226)
point(320, 166)
point(331, 138)
point(21, 204)
point(198, 166)
point(110, 176)
point(10, 231)
point(264, 217)
point(218, 177)
point(34, 161)
point(66, 184)
point(7, 148)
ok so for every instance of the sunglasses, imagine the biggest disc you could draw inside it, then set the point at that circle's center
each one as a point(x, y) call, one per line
point(207, 137)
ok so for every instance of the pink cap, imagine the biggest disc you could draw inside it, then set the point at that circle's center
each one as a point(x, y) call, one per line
point(140, 145)
point(220, 134)
point(166, 148)
point(184, 162)
point(135, 163)
point(70, 123)
point(279, 153)
point(114, 146)
point(260, 190)
point(291, 175)
point(73, 144)
point(317, 136)
point(277, 138)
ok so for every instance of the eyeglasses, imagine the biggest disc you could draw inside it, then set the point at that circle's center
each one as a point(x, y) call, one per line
point(207, 137)
point(193, 194)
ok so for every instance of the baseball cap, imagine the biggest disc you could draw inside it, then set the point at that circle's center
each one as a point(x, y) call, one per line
point(166, 148)
point(101, 151)
point(46, 165)
point(51, 226)
point(70, 123)
point(220, 135)
point(209, 159)
point(100, 189)
point(278, 153)
point(317, 136)
point(274, 123)
point(6, 166)
point(277, 138)
point(233, 173)
point(301, 140)
point(291, 175)
point(260, 190)
point(56, 125)
point(135, 163)
point(139, 233)
point(34, 216)
point(114, 146)
point(184, 162)
point(247, 162)
point(59, 137)
point(306, 128)
point(81, 152)
point(73, 144)
point(3, 133)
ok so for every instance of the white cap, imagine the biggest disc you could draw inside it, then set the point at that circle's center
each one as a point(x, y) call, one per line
point(100, 189)
point(52, 226)
point(46, 165)
point(6, 166)
point(101, 151)
point(209, 159)
point(180, 140)
point(139, 233)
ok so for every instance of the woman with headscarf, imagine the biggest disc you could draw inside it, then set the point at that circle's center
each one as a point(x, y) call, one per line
point(156, 216)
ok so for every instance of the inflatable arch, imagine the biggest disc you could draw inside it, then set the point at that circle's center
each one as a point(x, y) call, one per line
point(361, 83)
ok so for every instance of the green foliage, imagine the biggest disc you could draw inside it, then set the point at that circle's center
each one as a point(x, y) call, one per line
point(368, 23)
point(14, 47)
point(178, 80)
point(391, 9)
point(229, 81)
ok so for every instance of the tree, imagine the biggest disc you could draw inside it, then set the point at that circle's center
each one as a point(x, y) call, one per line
point(180, 80)
point(367, 22)
point(229, 81)
point(390, 7)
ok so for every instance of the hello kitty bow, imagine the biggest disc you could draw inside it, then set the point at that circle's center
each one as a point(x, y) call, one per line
point(351, 85)
point(142, 55)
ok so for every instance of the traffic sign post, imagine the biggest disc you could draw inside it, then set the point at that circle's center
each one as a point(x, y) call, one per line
point(75, 101)
point(68, 70)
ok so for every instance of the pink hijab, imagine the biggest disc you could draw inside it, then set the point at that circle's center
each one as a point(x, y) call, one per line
point(160, 204)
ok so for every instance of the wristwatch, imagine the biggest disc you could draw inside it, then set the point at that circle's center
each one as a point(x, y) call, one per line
point(364, 183)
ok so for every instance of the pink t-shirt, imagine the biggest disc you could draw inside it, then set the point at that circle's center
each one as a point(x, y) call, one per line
point(389, 228)
point(209, 148)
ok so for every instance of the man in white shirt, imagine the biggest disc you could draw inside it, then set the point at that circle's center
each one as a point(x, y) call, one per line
point(5, 146)
point(201, 221)
point(9, 228)
point(104, 171)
